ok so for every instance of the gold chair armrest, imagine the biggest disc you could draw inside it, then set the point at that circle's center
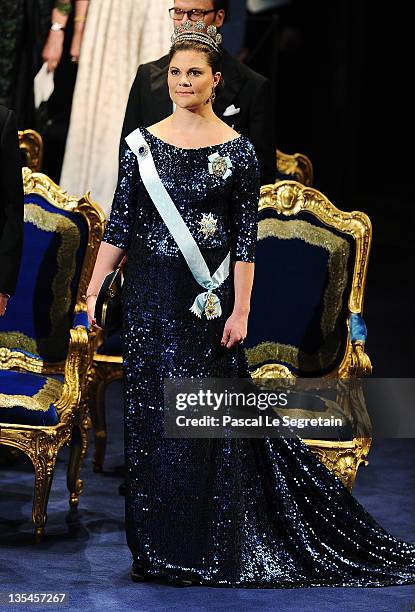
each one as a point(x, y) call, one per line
point(75, 371)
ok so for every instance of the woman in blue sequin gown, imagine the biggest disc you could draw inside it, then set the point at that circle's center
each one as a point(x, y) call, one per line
point(224, 512)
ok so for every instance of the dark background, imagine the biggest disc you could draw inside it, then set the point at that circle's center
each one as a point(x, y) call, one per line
point(341, 74)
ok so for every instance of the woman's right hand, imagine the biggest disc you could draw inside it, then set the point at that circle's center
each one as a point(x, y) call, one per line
point(53, 49)
point(108, 259)
point(90, 304)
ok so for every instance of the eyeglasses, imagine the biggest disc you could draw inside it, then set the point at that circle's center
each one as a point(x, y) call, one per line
point(192, 14)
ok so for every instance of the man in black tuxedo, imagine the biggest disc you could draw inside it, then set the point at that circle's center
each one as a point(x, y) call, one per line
point(11, 206)
point(244, 102)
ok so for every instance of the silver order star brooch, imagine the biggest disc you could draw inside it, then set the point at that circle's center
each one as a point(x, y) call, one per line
point(219, 166)
point(208, 225)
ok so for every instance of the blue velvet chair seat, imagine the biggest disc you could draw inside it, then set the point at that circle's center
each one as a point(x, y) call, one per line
point(28, 399)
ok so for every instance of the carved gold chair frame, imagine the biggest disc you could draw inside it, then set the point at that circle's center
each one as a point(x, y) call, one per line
point(31, 143)
point(42, 443)
point(290, 198)
point(297, 165)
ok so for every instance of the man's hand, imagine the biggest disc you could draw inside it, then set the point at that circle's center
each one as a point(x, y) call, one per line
point(52, 51)
point(3, 303)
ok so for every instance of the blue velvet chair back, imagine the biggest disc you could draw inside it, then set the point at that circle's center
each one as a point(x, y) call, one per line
point(305, 275)
point(49, 288)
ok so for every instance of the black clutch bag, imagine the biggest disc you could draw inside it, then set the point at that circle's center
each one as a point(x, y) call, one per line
point(108, 307)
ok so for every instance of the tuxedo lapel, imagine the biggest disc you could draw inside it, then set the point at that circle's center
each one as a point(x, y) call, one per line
point(161, 104)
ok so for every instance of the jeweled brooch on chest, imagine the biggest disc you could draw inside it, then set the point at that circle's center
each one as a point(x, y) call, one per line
point(143, 150)
point(220, 166)
point(208, 225)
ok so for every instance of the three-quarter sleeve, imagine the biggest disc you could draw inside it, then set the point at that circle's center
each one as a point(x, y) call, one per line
point(119, 228)
point(244, 205)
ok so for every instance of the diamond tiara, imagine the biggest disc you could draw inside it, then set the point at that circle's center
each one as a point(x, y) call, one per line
point(195, 32)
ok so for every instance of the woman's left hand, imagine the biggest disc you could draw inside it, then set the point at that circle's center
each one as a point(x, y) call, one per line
point(90, 304)
point(76, 45)
point(235, 330)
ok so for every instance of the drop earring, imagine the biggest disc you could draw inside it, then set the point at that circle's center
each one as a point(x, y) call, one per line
point(213, 96)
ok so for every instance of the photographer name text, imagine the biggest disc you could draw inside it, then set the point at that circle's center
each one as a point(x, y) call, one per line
point(258, 421)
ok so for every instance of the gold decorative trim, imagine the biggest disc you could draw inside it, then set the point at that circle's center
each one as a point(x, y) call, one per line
point(41, 401)
point(36, 182)
point(95, 219)
point(31, 143)
point(342, 458)
point(20, 361)
point(18, 340)
point(272, 370)
point(283, 197)
point(276, 351)
point(108, 358)
point(297, 165)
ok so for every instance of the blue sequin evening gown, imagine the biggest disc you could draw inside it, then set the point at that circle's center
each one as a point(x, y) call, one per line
point(225, 512)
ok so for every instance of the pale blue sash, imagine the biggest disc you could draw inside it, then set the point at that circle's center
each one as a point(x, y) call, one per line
point(207, 301)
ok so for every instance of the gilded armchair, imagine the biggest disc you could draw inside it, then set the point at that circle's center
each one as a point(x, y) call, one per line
point(45, 345)
point(31, 147)
point(314, 257)
point(295, 166)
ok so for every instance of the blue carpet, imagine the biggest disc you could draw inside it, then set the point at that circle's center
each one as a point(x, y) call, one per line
point(86, 555)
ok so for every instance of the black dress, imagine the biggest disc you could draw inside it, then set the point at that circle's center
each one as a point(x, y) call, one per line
point(224, 512)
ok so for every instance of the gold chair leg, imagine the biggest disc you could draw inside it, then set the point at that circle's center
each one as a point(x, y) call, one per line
point(73, 480)
point(44, 465)
point(85, 426)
